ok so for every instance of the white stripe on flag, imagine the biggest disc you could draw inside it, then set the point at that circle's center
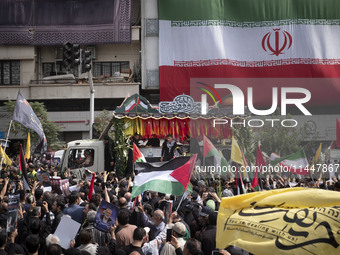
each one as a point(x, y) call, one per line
point(244, 44)
point(142, 178)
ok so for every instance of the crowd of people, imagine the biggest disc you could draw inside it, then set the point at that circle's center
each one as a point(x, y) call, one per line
point(144, 225)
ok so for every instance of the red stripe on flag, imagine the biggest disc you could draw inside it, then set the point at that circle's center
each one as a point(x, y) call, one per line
point(136, 153)
point(207, 146)
point(175, 80)
point(183, 173)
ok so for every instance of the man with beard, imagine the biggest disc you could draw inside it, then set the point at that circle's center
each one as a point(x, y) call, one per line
point(156, 224)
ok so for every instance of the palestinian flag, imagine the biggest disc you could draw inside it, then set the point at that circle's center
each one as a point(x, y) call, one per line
point(171, 177)
point(239, 182)
point(23, 169)
point(250, 39)
point(296, 163)
point(137, 154)
point(209, 150)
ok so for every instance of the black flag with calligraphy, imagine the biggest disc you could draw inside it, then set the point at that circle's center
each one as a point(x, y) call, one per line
point(24, 114)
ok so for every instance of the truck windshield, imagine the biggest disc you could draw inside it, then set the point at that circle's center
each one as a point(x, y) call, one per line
point(80, 158)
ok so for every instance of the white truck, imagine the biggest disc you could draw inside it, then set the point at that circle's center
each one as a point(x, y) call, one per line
point(81, 154)
point(75, 154)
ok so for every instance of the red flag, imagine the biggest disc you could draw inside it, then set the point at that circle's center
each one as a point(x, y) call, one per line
point(337, 133)
point(259, 163)
point(91, 187)
point(22, 167)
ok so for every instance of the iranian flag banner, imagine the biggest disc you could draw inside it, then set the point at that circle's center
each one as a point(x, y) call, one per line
point(296, 163)
point(249, 39)
point(171, 177)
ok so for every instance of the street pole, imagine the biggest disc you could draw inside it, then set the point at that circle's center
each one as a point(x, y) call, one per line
point(91, 102)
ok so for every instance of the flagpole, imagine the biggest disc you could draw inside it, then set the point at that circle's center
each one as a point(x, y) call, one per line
point(3, 153)
point(180, 202)
point(199, 175)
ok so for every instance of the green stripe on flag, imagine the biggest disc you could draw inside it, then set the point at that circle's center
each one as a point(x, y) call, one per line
point(247, 10)
point(141, 159)
point(298, 155)
point(164, 186)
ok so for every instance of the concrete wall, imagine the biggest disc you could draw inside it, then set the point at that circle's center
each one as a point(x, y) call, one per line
point(149, 42)
point(31, 58)
point(26, 55)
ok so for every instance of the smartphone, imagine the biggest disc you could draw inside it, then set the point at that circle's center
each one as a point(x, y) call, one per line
point(215, 252)
point(168, 234)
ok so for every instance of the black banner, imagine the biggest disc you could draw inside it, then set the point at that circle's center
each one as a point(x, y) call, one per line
point(24, 114)
point(54, 22)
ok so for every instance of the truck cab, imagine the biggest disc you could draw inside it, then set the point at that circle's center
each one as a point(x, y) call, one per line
point(84, 154)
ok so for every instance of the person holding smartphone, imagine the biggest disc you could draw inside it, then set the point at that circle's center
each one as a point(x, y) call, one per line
point(178, 231)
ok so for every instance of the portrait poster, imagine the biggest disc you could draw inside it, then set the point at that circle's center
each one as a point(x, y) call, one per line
point(106, 216)
point(13, 207)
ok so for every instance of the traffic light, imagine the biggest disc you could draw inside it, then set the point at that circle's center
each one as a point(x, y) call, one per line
point(71, 55)
point(76, 55)
point(85, 61)
point(67, 55)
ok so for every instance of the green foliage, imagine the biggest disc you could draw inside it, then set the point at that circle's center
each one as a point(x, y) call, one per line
point(121, 147)
point(278, 139)
point(101, 122)
point(285, 141)
point(117, 135)
point(50, 128)
point(247, 140)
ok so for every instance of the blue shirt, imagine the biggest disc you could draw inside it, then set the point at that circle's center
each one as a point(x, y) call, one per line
point(76, 212)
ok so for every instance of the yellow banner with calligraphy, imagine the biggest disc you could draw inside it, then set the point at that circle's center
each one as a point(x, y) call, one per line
point(285, 221)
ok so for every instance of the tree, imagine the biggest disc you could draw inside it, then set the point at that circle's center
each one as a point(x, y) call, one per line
point(247, 140)
point(278, 139)
point(285, 141)
point(100, 123)
point(50, 128)
point(116, 133)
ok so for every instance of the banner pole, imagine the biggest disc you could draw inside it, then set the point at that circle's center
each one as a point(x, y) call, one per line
point(180, 202)
point(3, 153)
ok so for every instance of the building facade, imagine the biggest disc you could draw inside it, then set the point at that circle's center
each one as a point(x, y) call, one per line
point(31, 58)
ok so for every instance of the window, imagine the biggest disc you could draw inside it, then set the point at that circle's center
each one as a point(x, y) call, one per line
point(10, 72)
point(79, 158)
point(57, 68)
point(108, 68)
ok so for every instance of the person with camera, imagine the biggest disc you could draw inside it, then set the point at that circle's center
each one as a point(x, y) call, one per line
point(178, 231)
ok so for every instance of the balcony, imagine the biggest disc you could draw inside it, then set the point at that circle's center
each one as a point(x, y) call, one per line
point(78, 90)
